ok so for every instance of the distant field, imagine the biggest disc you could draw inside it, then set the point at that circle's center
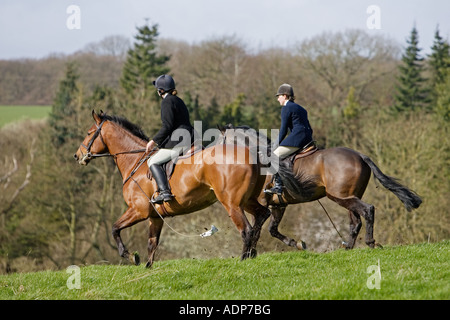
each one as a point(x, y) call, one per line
point(16, 113)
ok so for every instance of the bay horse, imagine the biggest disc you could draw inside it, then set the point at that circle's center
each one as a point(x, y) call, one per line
point(340, 174)
point(197, 182)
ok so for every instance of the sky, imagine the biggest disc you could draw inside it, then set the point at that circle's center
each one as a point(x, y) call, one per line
point(38, 28)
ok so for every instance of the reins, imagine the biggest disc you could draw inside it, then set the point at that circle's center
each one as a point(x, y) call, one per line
point(343, 241)
point(100, 155)
point(97, 133)
point(114, 155)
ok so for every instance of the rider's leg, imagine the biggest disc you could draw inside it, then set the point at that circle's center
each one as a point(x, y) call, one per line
point(282, 152)
point(154, 163)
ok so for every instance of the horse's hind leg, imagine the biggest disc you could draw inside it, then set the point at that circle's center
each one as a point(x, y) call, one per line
point(355, 226)
point(275, 219)
point(370, 219)
point(129, 218)
point(358, 207)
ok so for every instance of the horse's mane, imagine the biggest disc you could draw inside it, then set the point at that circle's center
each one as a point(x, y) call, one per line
point(127, 125)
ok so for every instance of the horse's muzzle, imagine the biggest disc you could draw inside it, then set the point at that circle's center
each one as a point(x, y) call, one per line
point(83, 159)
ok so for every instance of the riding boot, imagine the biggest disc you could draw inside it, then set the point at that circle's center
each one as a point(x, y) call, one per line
point(163, 185)
point(278, 187)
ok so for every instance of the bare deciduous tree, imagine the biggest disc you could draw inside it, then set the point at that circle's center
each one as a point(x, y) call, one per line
point(115, 46)
point(10, 194)
point(348, 59)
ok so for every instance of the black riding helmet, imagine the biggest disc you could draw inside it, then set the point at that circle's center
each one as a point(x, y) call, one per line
point(165, 83)
point(285, 89)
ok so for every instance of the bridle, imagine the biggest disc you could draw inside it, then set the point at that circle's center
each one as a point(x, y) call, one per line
point(98, 132)
point(88, 155)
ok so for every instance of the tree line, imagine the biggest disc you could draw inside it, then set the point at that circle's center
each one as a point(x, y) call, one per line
point(361, 90)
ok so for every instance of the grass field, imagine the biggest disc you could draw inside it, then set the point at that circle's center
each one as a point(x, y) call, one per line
point(15, 113)
point(405, 272)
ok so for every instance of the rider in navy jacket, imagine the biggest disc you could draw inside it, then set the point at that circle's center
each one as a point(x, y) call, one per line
point(295, 118)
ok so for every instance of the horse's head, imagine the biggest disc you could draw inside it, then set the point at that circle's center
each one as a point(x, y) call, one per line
point(93, 145)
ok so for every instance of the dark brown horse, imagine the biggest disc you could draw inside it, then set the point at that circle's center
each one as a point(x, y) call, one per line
point(197, 182)
point(341, 174)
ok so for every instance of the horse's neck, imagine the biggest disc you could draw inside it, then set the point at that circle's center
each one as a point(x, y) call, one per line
point(119, 141)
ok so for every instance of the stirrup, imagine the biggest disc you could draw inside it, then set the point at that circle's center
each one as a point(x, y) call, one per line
point(275, 190)
point(163, 196)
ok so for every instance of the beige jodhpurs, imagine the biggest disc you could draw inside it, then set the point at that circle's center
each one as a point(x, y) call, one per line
point(282, 151)
point(164, 155)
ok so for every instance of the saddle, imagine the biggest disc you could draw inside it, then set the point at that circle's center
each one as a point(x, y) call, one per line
point(309, 149)
point(288, 164)
point(169, 166)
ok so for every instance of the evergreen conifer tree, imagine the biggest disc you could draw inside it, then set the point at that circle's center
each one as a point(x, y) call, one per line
point(439, 62)
point(143, 64)
point(411, 91)
point(59, 182)
point(442, 106)
point(64, 108)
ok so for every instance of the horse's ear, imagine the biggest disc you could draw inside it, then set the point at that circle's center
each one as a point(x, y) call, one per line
point(96, 117)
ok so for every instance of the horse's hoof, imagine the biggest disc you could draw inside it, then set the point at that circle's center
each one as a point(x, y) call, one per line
point(249, 254)
point(149, 264)
point(377, 245)
point(301, 245)
point(135, 258)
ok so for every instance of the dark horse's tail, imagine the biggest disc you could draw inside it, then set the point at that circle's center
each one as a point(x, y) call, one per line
point(409, 198)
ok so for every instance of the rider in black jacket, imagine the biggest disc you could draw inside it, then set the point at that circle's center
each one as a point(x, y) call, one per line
point(175, 136)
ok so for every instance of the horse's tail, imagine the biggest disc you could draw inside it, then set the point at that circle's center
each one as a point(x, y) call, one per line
point(409, 198)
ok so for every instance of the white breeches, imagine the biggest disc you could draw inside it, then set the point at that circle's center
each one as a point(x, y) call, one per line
point(282, 151)
point(164, 155)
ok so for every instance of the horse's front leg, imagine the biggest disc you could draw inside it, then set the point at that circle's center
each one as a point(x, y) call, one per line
point(155, 228)
point(129, 218)
point(260, 214)
point(237, 215)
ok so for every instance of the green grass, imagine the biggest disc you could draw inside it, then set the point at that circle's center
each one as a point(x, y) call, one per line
point(10, 114)
point(407, 272)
